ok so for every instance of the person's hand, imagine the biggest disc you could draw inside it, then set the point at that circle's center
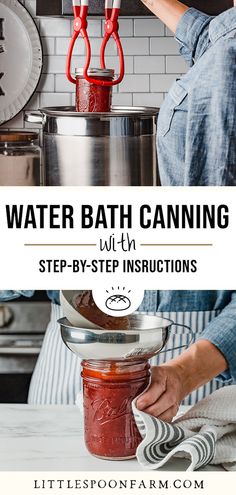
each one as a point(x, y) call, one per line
point(173, 381)
point(168, 11)
point(164, 395)
point(149, 3)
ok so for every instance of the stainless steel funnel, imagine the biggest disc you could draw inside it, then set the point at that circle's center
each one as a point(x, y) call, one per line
point(145, 338)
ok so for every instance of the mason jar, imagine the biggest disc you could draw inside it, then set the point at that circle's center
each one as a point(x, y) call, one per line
point(89, 96)
point(109, 388)
point(20, 159)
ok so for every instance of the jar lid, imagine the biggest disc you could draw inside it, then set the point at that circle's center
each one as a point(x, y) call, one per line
point(95, 72)
point(21, 136)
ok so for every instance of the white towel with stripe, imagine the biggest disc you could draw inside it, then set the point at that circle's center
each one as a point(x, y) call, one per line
point(206, 434)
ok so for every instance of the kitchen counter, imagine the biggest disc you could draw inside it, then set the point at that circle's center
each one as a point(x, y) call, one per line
point(50, 438)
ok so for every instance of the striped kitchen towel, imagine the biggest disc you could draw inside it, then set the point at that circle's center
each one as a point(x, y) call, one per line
point(206, 434)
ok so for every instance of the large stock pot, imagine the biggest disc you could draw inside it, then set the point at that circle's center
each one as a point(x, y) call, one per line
point(98, 149)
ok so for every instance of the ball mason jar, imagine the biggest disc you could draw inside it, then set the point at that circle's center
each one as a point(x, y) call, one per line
point(89, 96)
point(20, 159)
point(109, 388)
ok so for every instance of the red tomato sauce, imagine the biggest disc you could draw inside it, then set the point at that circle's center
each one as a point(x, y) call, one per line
point(91, 97)
point(109, 389)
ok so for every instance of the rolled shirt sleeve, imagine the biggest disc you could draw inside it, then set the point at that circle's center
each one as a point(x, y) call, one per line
point(210, 133)
point(193, 34)
point(9, 295)
point(221, 332)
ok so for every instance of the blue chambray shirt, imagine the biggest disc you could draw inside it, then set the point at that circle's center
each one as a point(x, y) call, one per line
point(197, 122)
point(221, 331)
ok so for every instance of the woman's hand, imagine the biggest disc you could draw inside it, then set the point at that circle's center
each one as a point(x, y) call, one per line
point(164, 395)
point(172, 382)
point(169, 11)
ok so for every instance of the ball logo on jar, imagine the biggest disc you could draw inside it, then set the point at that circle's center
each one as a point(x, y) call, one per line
point(105, 411)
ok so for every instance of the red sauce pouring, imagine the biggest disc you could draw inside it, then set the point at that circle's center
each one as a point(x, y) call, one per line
point(109, 389)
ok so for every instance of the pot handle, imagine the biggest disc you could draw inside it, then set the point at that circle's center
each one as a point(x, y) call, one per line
point(185, 346)
point(33, 117)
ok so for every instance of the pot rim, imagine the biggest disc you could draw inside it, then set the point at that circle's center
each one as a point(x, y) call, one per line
point(116, 111)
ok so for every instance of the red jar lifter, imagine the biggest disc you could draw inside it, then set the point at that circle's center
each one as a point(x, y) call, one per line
point(112, 10)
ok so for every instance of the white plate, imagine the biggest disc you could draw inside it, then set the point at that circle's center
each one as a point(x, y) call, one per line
point(20, 58)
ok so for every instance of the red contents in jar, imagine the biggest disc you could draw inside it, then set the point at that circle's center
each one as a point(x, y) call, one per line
point(91, 97)
point(109, 389)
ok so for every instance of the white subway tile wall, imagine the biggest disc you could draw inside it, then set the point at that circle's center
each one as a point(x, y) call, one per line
point(151, 55)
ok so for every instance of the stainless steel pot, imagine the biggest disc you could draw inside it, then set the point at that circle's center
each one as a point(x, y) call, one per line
point(98, 149)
